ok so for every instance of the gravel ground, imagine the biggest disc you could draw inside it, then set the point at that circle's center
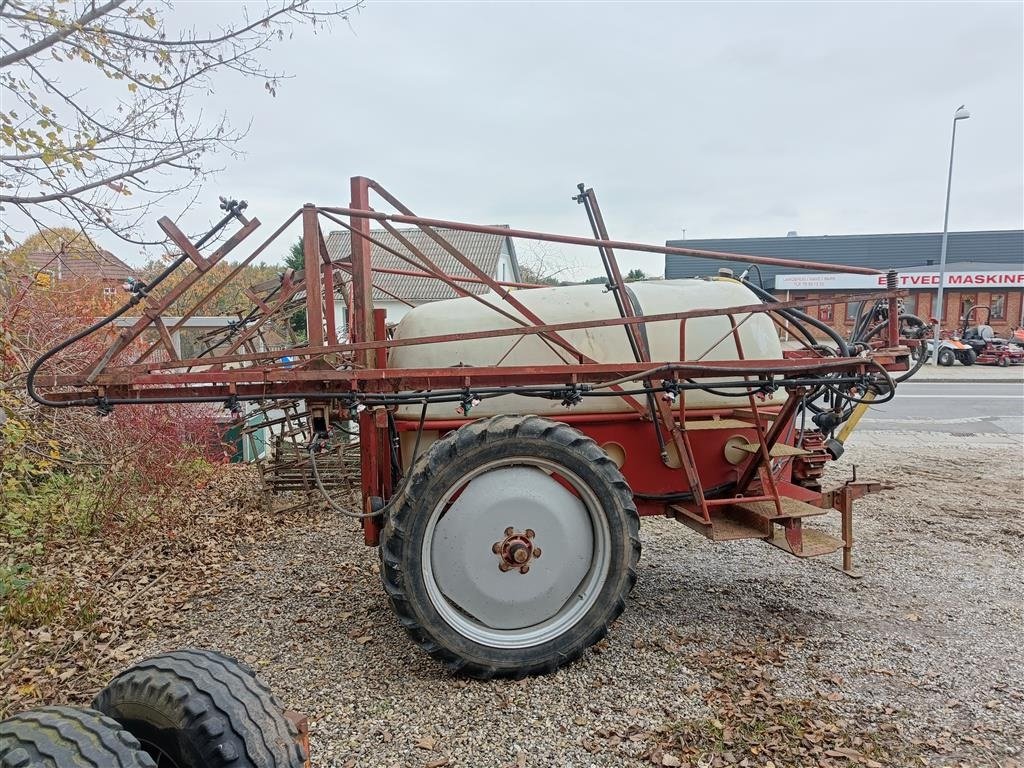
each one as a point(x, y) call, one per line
point(927, 646)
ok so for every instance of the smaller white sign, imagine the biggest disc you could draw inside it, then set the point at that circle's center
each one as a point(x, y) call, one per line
point(824, 281)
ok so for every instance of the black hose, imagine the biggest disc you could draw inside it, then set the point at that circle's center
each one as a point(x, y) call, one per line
point(797, 318)
point(921, 360)
point(911, 319)
point(685, 495)
point(30, 378)
point(803, 317)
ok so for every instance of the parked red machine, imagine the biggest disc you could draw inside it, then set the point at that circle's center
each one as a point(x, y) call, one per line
point(509, 543)
point(989, 348)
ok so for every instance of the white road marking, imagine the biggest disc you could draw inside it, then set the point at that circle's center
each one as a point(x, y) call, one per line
point(976, 396)
point(961, 420)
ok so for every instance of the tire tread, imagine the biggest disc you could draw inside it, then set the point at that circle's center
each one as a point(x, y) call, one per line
point(217, 690)
point(395, 533)
point(66, 737)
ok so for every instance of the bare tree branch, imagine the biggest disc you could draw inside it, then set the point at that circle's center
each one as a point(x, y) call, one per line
point(68, 155)
point(61, 34)
point(99, 183)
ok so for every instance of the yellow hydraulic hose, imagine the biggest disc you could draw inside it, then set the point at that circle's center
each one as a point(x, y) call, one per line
point(858, 412)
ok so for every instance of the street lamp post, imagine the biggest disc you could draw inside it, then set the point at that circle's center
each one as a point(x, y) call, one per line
point(960, 114)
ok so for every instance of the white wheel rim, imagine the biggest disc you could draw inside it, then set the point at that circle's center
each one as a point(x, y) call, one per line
point(512, 609)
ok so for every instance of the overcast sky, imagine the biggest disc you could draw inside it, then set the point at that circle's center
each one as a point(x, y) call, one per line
point(721, 119)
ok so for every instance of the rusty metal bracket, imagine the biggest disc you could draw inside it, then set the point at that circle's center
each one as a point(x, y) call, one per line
point(842, 499)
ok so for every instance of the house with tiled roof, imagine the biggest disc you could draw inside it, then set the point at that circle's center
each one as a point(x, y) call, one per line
point(397, 293)
point(100, 268)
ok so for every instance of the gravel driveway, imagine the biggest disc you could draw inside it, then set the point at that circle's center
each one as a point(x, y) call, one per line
point(925, 654)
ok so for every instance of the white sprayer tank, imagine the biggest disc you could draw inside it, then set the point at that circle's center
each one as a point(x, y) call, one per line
point(707, 338)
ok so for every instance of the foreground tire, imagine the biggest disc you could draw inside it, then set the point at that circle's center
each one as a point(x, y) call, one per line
point(64, 737)
point(200, 709)
point(946, 357)
point(512, 547)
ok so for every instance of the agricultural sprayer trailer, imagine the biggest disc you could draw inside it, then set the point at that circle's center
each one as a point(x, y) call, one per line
point(509, 441)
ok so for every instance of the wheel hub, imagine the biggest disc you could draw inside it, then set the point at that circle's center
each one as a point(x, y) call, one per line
point(516, 550)
point(493, 522)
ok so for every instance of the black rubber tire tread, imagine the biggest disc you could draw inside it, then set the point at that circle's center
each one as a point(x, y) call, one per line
point(435, 472)
point(221, 714)
point(946, 357)
point(66, 737)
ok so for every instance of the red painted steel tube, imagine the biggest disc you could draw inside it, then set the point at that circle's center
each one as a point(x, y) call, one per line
point(313, 384)
point(523, 375)
point(155, 306)
point(622, 245)
point(361, 328)
point(380, 330)
point(311, 275)
point(236, 269)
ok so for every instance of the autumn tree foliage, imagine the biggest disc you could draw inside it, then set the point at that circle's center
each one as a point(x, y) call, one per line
point(67, 154)
point(230, 300)
point(95, 509)
point(73, 471)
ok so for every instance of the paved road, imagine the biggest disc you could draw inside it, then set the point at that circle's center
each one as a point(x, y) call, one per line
point(951, 407)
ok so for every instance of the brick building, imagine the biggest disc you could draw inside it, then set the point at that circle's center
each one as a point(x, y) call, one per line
point(984, 269)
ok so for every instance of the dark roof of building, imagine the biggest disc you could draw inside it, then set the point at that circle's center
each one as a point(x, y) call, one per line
point(962, 266)
point(99, 265)
point(483, 250)
point(880, 251)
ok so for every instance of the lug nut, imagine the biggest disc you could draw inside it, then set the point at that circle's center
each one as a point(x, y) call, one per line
point(496, 547)
point(530, 533)
point(536, 551)
point(524, 569)
point(509, 531)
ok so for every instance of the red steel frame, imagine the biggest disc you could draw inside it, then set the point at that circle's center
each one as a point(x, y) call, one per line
point(673, 449)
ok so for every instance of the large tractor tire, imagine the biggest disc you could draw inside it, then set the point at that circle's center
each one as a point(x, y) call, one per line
point(201, 709)
point(511, 548)
point(946, 357)
point(967, 357)
point(65, 737)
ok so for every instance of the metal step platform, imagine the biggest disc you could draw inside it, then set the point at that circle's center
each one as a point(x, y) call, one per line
point(814, 543)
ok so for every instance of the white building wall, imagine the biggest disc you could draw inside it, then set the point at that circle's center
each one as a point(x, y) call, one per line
point(503, 269)
point(396, 311)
